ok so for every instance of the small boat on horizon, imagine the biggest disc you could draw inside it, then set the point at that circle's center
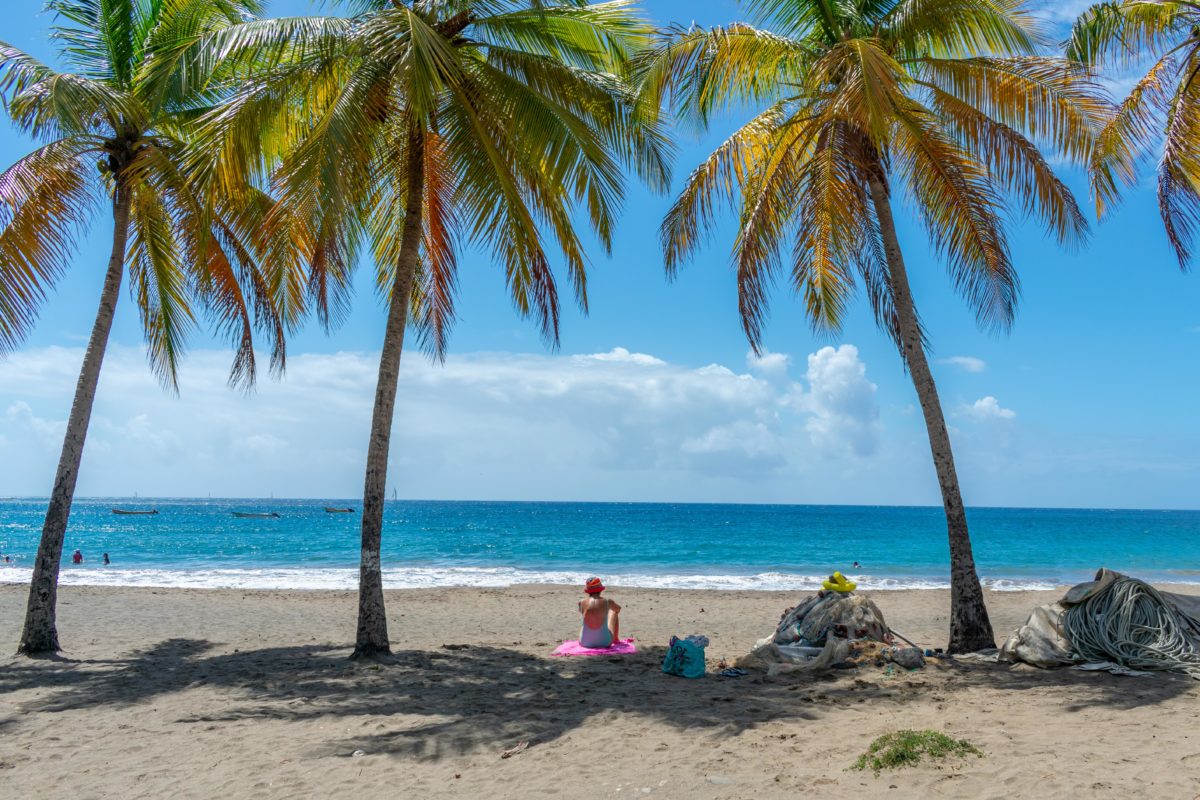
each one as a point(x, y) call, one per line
point(255, 515)
point(128, 512)
point(332, 510)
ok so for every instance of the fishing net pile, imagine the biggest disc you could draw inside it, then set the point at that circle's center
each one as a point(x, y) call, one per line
point(1114, 622)
point(829, 629)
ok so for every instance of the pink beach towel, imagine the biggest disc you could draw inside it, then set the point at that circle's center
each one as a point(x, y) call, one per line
point(621, 647)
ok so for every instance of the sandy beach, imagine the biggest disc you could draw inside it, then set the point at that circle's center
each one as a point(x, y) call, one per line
point(237, 694)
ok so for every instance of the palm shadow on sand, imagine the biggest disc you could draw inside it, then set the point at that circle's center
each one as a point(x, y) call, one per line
point(428, 704)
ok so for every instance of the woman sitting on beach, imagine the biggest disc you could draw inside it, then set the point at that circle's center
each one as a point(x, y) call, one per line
point(601, 617)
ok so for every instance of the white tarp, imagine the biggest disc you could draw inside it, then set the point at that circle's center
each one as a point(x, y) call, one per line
point(1044, 640)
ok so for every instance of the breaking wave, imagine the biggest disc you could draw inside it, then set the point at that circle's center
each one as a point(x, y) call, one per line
point(341, 579)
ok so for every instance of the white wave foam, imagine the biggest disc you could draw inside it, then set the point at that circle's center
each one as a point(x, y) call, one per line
point(336, 578)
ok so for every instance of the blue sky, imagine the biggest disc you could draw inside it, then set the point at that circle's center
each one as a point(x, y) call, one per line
point(1088, 402)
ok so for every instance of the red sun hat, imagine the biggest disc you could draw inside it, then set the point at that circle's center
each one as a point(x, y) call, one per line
point(593, 586)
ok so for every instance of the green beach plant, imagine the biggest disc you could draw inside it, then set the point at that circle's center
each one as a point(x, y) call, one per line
point(908, 748)
point(417, 129)
point(942, 103)
point(115, 133)
point(1161, 110)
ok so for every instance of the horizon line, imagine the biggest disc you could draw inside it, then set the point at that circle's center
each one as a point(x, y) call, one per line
point(176, 498)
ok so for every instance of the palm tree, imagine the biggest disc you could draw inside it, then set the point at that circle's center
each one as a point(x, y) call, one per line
point(1164, 105)
point(940, 100)
point(188, 248)
point(423, 127)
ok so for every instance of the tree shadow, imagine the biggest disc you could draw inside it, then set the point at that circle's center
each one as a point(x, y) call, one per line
point(50, 656)
point(1080, 689)
point(428, 704)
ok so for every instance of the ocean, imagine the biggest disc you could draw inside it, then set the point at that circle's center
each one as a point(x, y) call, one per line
point(199, 543)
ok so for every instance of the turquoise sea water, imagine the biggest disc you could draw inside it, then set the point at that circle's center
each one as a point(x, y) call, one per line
point(199, 543)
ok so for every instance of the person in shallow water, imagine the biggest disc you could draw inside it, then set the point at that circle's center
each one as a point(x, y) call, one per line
point(77, 557)
point(601, 617)
point(106, 561)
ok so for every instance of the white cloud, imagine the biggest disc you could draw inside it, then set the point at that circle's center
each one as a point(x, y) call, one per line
point(965, 363)
point(985, 409)
point(768, 363)
point(737, 448)
point(506, 426)
point(21, 414)
point(621, 355)
point(842, 403)
point(607, 425)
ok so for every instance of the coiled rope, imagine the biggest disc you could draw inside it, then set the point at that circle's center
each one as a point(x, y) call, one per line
point(1131, 624)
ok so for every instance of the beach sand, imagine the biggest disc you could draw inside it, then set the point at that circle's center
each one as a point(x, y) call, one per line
point(238, 694)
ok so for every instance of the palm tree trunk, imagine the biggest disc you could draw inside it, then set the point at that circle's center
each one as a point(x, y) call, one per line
point(372, 638)
point(40, 634)
point(970, 628)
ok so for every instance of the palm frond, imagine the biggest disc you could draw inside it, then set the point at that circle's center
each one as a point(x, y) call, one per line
point(1127, 30)
point(438, 285)
point(200, 53)
point(47, 199)
point(813, 19)
point(238, 266)
point(694, 71)
point(714, 183)
point(1130, 134)
point(871, 262)
point(1046, 99)
point(1016, 163)
point(495, 208)
point(94, 37)
point(46, 103)
point(159, 283)
point(961, 211)
point(873, 85)
point(595, 37)
point(1179, 170)
point(964, 28)
point(830, 232)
